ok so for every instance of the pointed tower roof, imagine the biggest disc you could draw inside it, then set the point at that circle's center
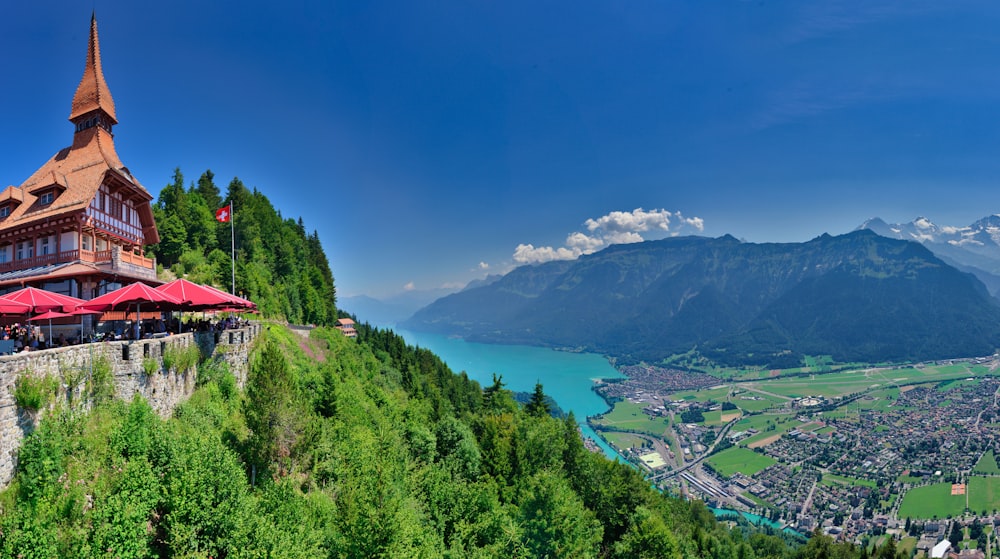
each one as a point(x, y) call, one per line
point(93, 93)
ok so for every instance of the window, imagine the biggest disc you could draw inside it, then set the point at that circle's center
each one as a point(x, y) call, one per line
point(43, 249)
point(46, 198)
point(25, 249)
point(5, 254)
point(4, 211)
point(85, 242)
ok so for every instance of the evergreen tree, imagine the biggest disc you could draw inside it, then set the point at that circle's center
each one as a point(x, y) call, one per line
point(269, 409)
point(537, 406)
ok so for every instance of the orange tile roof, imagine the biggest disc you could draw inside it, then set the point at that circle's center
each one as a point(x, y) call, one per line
point(80, 169)
point(93, 92)
point(12, 194)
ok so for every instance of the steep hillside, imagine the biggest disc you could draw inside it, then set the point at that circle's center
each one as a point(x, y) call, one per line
point(344, 448)
point(857, 296)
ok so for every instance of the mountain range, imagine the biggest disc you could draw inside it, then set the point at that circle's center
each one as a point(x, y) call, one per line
point(974, 248)
point(857, 297)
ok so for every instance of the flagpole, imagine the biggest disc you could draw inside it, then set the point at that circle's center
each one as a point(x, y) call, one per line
point(232, 244)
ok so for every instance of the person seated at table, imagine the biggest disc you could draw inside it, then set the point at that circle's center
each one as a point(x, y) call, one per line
point(61, 340)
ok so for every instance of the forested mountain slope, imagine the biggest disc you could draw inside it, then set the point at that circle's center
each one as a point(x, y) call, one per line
point(858, 297)
point(278, 265)
point(345, 448)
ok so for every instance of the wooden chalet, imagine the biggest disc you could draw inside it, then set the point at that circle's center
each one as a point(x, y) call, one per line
point(78, 225)
point(346, 327)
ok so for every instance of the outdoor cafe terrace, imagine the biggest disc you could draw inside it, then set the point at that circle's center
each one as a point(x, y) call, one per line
point(32, 318)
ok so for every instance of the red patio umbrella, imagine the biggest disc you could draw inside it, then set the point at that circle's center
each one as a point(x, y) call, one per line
point(13, 307)
point(194, 296)
point(49, 315)
point(138, 294)
point(40, 300)
point(234, 301)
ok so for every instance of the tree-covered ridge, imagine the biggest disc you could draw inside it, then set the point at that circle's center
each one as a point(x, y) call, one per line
point(278, 265)
point(343, 448)
point(857, 297)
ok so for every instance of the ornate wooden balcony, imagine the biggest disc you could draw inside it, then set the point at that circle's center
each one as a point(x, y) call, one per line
point(101, 257)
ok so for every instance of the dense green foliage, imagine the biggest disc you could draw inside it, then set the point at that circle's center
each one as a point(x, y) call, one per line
point(278, 265)
point(857, 297)
point(346, 449)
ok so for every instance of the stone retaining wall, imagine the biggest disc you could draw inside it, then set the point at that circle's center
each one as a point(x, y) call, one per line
point(72, 368)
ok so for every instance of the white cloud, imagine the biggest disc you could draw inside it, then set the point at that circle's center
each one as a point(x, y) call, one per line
point(614, 228)
point(637, 220)
point(484, 266)
point(409, 286)
point(528, 254)
point(585, 244)
point(622, 238)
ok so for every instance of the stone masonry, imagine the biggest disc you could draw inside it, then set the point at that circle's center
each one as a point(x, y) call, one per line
point(72, 366)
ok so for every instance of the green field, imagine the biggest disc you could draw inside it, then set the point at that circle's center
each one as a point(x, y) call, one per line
point(861, 380)
point(906, 546)
point(704, 395)
point(984, 494)
point(739, 459)
point(627, 415)
point(834, 479)
point(931, 501)
point(764, 402)
point(621, 441)
point(987, 464)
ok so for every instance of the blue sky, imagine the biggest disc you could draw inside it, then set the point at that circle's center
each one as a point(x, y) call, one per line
point(431, 143)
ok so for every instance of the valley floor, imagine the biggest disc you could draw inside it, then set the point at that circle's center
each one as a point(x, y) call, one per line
point(858, 451)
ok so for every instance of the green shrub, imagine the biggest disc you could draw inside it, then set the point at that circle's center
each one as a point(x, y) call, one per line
point(102, 385)
point(150, 366)
point(31, 393)
point(217, 371)
point(181, 359)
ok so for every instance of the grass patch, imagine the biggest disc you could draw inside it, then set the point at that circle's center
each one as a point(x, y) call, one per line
point(739, 459)
point(932, 501)
point(984, 494)
point(909, 479)
point(630, 417)
point(987, 464)
point(621, 441)
point(833, 479)
point(906, 546)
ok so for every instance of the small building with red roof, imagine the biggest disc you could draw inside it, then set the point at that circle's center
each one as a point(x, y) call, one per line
point(346, 326)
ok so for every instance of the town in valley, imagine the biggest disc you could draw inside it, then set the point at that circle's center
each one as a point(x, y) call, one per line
point(858, 452)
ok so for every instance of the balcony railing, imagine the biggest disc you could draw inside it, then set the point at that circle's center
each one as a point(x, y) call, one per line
point(137, 260)
point(89, 256)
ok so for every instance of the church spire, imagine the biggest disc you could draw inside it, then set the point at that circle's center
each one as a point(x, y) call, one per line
point(92, 103)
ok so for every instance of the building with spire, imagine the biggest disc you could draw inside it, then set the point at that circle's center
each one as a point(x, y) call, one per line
point(78, 224)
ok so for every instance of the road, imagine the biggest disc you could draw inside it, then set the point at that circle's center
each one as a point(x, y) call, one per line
point(696, 461)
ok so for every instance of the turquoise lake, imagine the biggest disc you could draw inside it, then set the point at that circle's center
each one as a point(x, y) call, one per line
point(566, 377)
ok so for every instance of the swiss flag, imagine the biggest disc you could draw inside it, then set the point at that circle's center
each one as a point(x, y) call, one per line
point(222, 214)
